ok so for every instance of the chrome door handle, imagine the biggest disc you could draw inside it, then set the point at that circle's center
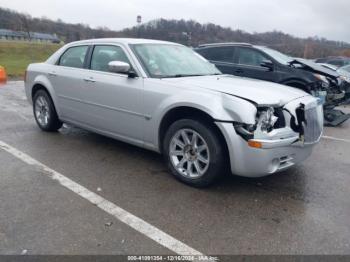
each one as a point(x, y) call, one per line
point(52, 74)
point(89, 80)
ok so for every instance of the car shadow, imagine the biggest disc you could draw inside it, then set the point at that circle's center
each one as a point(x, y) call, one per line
point(287, 184)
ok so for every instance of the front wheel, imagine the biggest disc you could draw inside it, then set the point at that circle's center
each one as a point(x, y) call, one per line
point(45, 112)
point(194, 153)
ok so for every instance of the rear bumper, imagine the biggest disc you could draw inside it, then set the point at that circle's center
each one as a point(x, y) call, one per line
point(273, 157)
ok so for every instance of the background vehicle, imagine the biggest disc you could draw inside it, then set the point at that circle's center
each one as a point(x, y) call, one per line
point(344, 73)
point(338, 61)
point(263, 63)
point(164, 97)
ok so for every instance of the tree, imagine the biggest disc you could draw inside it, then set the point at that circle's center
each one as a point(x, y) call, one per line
point(26, 22)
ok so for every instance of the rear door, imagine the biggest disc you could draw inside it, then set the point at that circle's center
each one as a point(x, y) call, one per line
point(222, 57)
point(67, 79)
point(248, 64)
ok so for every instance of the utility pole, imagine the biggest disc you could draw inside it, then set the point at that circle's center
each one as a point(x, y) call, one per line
point(139, 21)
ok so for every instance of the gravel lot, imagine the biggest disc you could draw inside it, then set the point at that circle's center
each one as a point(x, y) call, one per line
point(305, 210)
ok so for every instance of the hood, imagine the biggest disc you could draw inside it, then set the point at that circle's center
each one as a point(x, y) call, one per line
point(257, 91)
point(314, 67)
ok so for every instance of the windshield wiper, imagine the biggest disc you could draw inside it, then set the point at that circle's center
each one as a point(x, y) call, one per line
point(188, 75)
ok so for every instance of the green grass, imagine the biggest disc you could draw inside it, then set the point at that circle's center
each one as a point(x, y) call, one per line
point(16, 56)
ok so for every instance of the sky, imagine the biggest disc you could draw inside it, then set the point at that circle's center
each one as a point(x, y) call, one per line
point(302, 18)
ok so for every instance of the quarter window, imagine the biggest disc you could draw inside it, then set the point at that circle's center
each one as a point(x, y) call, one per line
point(102, 55)
point(74, 57)
point(247, 56)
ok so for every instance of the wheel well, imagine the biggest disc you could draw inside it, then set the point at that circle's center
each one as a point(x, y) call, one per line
point(38, 87)
point(188, 112)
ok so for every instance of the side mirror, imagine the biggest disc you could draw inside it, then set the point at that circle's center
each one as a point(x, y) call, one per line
point(118, 67)
point(268, 64)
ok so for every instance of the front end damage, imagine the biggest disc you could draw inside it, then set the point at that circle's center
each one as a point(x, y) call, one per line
point(286, 125)
point(329, 88)
point(280, 137)
point(334, 95)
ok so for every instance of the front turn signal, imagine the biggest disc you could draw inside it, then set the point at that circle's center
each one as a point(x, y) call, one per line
point(254, 144)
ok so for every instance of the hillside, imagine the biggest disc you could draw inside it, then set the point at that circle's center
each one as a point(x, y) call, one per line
point(189, 32)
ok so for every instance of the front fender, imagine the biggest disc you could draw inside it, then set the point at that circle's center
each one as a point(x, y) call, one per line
point(221, 107)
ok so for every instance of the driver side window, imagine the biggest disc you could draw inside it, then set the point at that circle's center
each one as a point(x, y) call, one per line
point(248, 56)
point(102, 55)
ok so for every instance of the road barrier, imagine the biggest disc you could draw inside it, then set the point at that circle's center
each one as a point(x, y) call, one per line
point(3, 76)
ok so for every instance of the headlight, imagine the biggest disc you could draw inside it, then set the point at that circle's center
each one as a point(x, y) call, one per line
point(266, 119)
point(325, 82)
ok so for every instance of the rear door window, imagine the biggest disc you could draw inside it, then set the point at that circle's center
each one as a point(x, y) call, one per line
point(74, 57)
point(103, 54)
point(220, 54)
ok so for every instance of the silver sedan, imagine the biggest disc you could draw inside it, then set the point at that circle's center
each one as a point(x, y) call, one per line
point(164, 97)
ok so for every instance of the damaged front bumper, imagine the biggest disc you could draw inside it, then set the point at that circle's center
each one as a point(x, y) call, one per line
point(274, 156)
point(281, 148)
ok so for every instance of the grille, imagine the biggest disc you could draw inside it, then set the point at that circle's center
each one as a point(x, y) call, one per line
point(313, 128)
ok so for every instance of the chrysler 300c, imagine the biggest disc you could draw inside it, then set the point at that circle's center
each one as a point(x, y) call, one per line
point(165, 97)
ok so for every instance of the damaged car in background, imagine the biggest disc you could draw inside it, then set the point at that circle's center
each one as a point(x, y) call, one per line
point(264, 63)
point(165, 97)
point(344, 73)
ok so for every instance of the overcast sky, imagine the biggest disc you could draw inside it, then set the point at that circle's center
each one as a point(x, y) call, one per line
point(325, 18)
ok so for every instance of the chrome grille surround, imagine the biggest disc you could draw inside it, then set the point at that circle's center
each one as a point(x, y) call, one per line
point(314, 126)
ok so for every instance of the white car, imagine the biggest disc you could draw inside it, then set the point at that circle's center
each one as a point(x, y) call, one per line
point(165, 97)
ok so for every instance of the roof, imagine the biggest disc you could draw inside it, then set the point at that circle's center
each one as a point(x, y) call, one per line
point(225, 44)
point(122, 41)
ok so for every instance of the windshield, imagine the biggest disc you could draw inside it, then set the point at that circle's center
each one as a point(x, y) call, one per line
point(281, 58)
point(345, 68)
point(165, 60)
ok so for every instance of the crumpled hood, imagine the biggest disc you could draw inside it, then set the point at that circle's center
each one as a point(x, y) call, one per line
point(257, 91)
point(314, 67)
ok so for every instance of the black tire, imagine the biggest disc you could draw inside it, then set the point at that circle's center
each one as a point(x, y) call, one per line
point(53, 123)
point(217, 160)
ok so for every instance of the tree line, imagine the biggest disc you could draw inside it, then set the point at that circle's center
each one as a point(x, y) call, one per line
point(188, 32)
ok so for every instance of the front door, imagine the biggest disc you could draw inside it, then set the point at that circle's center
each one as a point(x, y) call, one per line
point(248, 64)
point(114, 101)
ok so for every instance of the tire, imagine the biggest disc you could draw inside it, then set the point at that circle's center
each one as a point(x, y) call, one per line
point(45, 113)
point(206, 157)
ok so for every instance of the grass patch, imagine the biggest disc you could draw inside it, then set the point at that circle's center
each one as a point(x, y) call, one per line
point(16, 56)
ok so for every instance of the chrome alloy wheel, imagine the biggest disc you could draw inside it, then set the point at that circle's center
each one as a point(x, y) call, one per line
point(42, 111)
point(189, 153)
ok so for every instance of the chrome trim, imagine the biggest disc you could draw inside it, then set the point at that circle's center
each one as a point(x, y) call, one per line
point(312, 128)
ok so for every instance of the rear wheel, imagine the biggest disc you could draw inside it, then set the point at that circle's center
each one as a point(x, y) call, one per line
point(194, 153)
point(45, 112)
